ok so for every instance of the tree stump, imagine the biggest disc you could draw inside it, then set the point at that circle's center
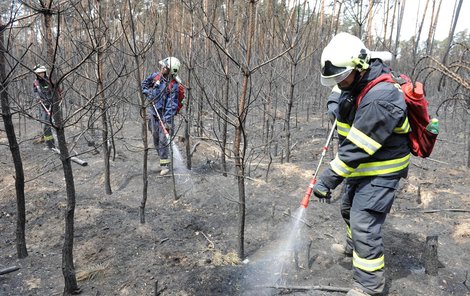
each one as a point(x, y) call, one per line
point(431, 262)
point(418, 198)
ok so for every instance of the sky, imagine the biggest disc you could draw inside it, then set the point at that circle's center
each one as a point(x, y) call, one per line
point(444, 21)
point(413, 17)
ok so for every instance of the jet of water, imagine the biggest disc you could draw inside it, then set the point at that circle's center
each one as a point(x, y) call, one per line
point(278, 260)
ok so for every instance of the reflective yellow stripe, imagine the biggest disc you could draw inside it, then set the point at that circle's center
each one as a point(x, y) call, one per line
point(164, 161)
point(404, 128)
point(363, 141)
point(343, 128)
point(369, 265)
point(340, 168)
point(381, 167)
point(348, 231)
point(370, 168)
point(48, 138)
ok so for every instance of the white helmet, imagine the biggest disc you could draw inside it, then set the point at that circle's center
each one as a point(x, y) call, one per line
point(40, 69)
point(171, 63)
point(341, 56)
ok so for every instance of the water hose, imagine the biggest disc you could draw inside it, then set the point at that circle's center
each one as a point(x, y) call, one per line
point(165, 131)
point(308, 193)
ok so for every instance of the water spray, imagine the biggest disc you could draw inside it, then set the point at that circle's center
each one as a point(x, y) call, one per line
point(308, 193)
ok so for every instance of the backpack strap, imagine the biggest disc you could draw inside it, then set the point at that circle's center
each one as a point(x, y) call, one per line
point(170, 85)
point(159, 76)
point(388, 77)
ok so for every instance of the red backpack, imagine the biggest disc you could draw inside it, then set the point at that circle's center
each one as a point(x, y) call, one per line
point(421, 140)
point(180, 93)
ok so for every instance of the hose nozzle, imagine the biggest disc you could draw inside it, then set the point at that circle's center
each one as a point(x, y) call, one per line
point(304, 202)
point(308, 193)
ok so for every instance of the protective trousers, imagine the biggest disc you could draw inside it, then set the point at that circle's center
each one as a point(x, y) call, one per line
point(159, 140)
point(45, 119)
point(364, 206)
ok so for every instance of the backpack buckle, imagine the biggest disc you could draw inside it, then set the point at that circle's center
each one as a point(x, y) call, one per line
point(397, 78)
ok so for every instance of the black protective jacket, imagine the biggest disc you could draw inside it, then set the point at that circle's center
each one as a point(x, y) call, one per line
point(373, 137)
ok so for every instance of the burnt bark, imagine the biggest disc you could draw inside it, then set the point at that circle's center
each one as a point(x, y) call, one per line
point(21, 250)
point(68, 268)
point(103, 101)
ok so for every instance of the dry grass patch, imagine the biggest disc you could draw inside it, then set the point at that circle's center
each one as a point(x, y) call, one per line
point(219, 259)
point(91, 272)
point(462, 231)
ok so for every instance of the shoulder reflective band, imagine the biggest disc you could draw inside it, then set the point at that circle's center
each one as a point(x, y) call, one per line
point(369, 265)
point(343, 128)
point(404, 128)
point(361, 140)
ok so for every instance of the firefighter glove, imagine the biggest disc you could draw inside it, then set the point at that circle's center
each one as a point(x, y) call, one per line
point(330, 179)
point(322, 192)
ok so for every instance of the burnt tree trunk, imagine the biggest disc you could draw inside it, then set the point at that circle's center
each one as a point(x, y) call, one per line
point(132, 43)
point(420, 29)
point(68, 268)
point(432, 26)
point(290, 103)
point(450, 38)
point(188, 117)
point(399, 23)
point(239, 152)
point(21, 250)
point(103, 102)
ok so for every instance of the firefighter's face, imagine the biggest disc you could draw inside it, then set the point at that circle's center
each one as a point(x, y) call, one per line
point(41, 74)
point(165, 71)
point(348, 81)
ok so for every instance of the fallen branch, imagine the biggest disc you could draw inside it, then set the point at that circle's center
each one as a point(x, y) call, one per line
point(418, 166)
point(435, 211)
point(211, 244)
point(446, 210)
point(210, 139)
point(194, 148)
point(293, 146)
point(72, 158)
point(307, 288)
point(438, 161)
point(8, 270)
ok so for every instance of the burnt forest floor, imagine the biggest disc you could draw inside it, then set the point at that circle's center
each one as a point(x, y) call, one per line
point(188, 246)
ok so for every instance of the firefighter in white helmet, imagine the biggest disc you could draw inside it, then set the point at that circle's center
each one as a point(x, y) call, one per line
point(373, 155)
point(43, 93)
point(161, 89)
